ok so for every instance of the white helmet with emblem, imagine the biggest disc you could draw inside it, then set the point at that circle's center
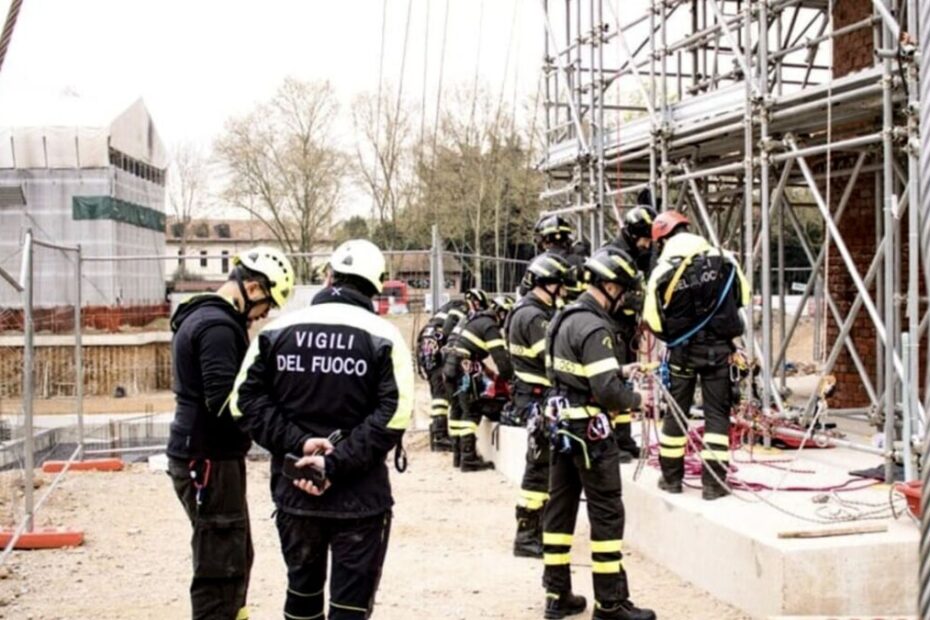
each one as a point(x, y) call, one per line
point(360, 258)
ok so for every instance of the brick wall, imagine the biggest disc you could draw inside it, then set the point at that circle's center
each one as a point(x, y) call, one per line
point(852, 52)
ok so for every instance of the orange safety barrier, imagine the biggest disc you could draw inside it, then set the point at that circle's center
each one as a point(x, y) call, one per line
point(44, 538)
point(913, 492)
point(111, 464)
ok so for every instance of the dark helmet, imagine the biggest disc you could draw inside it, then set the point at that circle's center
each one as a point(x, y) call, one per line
point(502, 304)
point(477, 297)
point(548, 268)
point(637, 223)
point(610, 264)
point(644, 199)
point(667, 223)
point(552, 229)
point(581, 248)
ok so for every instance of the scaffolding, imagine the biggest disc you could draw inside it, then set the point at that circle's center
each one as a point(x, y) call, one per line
point(735, 112)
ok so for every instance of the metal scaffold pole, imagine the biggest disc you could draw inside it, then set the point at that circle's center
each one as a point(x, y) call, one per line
point(28, 363)
point(924, 182)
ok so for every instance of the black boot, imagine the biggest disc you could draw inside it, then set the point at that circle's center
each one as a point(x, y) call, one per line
point(714, 471)
point(668, 486)
point(712, 488)
point(624, 610)
point(456, 452)
point(471, 461)
point(563, 605)
point(528, 541)
point(439, 440)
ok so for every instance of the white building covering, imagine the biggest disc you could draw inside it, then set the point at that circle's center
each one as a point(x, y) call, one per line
point(91, 175)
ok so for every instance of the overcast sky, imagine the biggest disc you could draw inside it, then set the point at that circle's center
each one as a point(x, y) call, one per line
point(196, 62)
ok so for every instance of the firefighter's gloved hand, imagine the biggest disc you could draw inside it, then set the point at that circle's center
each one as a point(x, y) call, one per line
point(317, 445)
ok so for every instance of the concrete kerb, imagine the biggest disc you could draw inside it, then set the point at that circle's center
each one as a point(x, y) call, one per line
point(731, 548)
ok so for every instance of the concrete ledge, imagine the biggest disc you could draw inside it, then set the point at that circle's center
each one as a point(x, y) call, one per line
point(731, 548)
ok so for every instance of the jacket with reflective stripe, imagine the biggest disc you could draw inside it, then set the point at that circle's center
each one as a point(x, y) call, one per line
point(675, 289)
point(582, 357)
point(526, 337)
point(479, 337)
point(334, 365)
point(455, 312)
point(449, 314)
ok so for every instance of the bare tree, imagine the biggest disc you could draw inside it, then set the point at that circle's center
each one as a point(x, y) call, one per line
point(187, 193)
point(383, 160)
point(282, 167)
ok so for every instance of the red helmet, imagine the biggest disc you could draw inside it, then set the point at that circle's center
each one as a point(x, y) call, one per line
point(666, 222)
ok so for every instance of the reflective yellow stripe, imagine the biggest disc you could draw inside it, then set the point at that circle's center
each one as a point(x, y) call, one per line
point(578, 413)
point(622, 418)
point(593, 369)
point(495, 344)
point(553, 538)
point(250, 356)
point(670, 289)
point(716, 455)
point(243, 614)
point(301, 594)
point(293, 617)
point(475, 340)
point(531, 352)
point(462, 424)
point(457, 313)
point(671, 440)
point(672, 453)
point(601, 568)
point(606, 546)
point(440, 401)
point(348, 607)
point(557, 559)
point(605, 365)
point(718, 439)
point(602, 269)
point(527, 377)
point(533, 500)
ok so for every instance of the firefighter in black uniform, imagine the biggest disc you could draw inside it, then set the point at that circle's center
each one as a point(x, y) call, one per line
point(430, 341)
point(473, 341)
point(692, 304)
point(554, 234)
point(332, 370)
point(206, 450)
point(476, 300)
point(635, 239)
point(526, 337)
point(587, 386)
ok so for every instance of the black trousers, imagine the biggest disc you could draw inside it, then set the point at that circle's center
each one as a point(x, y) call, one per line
point(534, 489)
point(358, 548)
point(439, 405)
point(463, 416)
point(710, 363)
point(221, 544)
point(569, 475)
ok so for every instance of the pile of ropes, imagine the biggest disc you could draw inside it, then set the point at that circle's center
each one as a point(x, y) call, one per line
point(831, 507)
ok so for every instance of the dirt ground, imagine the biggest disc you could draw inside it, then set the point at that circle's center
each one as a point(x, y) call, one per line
point(449, 557)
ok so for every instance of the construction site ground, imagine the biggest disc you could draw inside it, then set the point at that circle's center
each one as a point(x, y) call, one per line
point(450, 554)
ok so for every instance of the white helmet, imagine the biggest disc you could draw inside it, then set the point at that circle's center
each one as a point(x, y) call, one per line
point(361, 258)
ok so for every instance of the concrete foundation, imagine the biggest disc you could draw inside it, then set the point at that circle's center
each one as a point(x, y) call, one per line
point(731, 547)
